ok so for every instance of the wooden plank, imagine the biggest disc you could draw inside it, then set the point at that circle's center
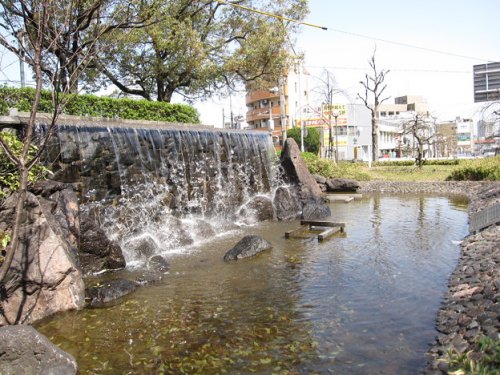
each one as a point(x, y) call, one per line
point(328, 232)
point(318, 223)
point(288, 233)
point(355, 195)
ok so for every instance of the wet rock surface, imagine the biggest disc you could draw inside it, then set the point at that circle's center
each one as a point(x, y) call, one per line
point(97, 252)
point(471, 307)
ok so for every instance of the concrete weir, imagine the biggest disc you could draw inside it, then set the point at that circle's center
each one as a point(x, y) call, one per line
point(147, 183)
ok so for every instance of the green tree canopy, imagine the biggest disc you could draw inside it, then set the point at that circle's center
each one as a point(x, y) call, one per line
point(311, 138)
point(194, 47)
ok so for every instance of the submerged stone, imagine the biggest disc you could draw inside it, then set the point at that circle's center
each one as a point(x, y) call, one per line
point(248, 246)
point(103, 294)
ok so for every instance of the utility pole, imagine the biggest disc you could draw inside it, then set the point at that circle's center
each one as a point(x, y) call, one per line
point(283, 118)
point(20, 38)
point(336, 115)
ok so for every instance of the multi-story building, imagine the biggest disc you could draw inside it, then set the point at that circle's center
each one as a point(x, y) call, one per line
point(445, 142)
point(465, 136)
point(392, 143)
point(277, 108)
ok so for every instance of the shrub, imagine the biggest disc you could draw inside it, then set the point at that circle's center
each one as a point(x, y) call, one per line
point(9, 175)
point(96, 106)
point(477, 170)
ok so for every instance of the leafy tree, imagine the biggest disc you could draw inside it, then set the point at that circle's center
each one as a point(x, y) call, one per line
point(374, 86)
point(194, 47)
point(311, 138)
point(70, 33)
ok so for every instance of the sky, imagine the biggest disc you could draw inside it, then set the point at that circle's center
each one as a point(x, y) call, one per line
point(429, 47)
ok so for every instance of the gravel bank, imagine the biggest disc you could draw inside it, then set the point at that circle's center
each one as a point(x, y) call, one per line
point(471, 306)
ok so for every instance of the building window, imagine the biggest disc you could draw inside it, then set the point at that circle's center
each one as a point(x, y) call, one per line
point(383, 114)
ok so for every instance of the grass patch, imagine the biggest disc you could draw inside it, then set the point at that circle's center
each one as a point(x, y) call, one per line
point(410, 173)
point(487, 169)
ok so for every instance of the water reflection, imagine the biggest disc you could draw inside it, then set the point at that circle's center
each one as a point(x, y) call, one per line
point(362, 303)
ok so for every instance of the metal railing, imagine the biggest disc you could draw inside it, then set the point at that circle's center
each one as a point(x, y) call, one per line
point(484, 218)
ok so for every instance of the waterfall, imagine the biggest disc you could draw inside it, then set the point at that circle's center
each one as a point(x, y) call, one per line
point(157, 189)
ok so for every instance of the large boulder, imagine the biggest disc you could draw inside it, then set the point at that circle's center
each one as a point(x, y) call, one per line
point(286, 204)
point(247, 247)
point(341, 185)
point(97, 253)
point(45, 276)
point(23, 350)
point(296, 171)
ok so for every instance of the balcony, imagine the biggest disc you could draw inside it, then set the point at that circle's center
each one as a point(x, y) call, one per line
point(262, 114)
point(257, 95)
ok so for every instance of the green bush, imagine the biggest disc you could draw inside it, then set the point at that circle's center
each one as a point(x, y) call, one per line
point(327, 168)
point(311, 140)
point(96, 106)
point(477, 170)
point(9, 175)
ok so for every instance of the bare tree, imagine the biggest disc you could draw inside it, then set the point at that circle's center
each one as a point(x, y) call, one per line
point(421, 129)
point(327, 88)
point(374, 86)
point(43, 24)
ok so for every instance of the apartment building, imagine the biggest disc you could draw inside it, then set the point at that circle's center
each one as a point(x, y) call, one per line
point(277, 108)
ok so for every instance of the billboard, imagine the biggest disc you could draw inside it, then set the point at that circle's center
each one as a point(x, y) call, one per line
point(486, 82)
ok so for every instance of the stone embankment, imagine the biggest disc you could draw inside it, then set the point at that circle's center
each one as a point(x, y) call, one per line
point(471, 307)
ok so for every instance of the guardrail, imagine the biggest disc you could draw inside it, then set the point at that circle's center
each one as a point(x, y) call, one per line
point(484, 218)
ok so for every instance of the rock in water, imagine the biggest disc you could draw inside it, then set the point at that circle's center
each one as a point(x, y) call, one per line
point(247, 247)
point(286, 204)
point(23, 350)
point(109, 291)
point(341, 185)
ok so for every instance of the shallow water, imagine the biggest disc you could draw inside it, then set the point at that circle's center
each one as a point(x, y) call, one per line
point(362, 303)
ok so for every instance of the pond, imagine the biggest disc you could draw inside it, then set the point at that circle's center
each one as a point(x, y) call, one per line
point(364, 302)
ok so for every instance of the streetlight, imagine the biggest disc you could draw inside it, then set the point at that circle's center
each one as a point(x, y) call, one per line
point(335, 114)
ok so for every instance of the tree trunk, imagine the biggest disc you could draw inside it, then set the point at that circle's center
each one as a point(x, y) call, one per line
point(374, 139)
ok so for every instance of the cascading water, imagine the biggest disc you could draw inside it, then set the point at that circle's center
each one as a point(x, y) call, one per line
point(158, 189)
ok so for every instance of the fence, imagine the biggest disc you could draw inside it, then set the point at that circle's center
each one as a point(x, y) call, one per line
point(484, 218)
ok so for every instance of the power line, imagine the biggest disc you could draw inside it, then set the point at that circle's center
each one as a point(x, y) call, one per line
point(358, 35)
point(408, 45)
point(271, 14)
point(393, 69)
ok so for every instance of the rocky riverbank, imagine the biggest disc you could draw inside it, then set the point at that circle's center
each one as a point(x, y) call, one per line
point(471, 307)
